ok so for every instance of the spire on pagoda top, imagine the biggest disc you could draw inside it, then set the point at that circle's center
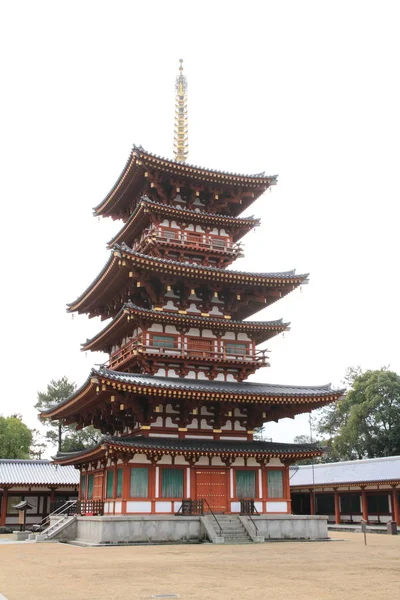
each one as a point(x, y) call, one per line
point(181, 120)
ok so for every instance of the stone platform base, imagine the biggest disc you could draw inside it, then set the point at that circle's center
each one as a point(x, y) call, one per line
point(125, 529)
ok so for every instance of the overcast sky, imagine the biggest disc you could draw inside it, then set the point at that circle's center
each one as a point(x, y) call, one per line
point(308, 90)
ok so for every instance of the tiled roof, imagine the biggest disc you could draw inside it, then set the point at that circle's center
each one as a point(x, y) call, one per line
point(190, 446)
point(212, 445)
point(192, 216)
point(36, 472)
point(314, 396)
point(353, 471)
point(269, 328)
point(192, 266)
point(184, 170)
point(246, 388)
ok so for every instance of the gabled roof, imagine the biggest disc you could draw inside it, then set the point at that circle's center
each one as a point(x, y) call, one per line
point(128, 187)
point(141, 216)
point(377, 470)
point(130, 314)
point(36, 473)
point(123, 261)
point(174, 446)
point(105, 381)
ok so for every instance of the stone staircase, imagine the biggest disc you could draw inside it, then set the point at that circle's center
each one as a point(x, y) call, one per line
point(233, 529)
point(53, 530)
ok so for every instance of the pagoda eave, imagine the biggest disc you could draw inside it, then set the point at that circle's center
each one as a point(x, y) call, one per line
point(103, 385)
point(127, 269)
point(130, 316)
point(154, 449)
point(142, 165)
point(141, 217)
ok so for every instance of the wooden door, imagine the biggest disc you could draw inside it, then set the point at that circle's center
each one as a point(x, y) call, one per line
point(98, 486)
point(212, 486)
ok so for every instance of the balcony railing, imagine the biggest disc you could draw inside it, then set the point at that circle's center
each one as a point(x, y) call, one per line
point(188, 240)
point(137, 346)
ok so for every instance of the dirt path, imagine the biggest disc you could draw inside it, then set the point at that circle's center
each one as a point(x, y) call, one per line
point(299, 571)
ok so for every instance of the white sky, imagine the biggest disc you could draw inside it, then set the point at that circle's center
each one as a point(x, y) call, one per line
point(308, 90)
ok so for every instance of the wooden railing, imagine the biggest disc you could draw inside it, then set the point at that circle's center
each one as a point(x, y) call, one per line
point(202, 241)
point(137, 345)
point(191, 507)
point(90, 507)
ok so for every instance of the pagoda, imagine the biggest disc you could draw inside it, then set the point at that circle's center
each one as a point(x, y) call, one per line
point(172, 401)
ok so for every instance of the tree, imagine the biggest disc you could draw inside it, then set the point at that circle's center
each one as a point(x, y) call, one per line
point(366, 422)
point(15, 437)
point(65, 437)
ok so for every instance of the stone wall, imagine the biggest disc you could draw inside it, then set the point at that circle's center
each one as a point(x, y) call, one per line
point(139, 529)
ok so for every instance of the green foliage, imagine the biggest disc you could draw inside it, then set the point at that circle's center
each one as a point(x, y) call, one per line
point(366, 422)
point(65, 437)
point(15, 437)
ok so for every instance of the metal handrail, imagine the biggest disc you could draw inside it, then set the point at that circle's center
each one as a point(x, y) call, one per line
point(253, 510)
point(252, 520)
point(58, 512)
point(213, 514)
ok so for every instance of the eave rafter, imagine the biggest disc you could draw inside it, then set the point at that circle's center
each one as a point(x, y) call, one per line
point(131, 316)
point(104, 386)
point(146, 211)
point(143, 169)
point(126, 271)
point(124, 449)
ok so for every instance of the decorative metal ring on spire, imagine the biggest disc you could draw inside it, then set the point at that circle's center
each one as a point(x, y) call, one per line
point(181, 146)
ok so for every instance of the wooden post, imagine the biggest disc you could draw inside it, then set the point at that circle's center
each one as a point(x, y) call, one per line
point(364, 504)
point(312, 502)
point(337, 508)
point(4, 502)
point(395, 505)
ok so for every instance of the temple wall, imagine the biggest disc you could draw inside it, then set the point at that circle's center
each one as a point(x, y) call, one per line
point(152, 528)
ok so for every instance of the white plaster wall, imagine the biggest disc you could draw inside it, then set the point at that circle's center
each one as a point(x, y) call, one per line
point(140, 458)
point(276, 507)
point(163, 507)
point(275, 462)
point(171, 329)
point(217, 462)
point(166, 460)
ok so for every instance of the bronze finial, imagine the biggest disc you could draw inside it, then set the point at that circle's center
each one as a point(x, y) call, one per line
point(181, 148)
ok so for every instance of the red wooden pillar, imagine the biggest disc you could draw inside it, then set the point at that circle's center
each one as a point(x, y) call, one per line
point(395, 505)
point(364, 504)
point(126, 485)
point(337, 508)
point(286, 487)
point(312, 502)
point(4, 502)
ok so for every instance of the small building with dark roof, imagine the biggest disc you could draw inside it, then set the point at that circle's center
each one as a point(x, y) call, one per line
point(348, 491)
point(41, 483)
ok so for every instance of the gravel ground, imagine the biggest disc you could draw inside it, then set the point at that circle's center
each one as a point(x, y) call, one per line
point(340, 569)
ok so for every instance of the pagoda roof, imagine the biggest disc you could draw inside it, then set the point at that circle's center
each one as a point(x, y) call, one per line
point(156, 447)
point(122, 322)
point(140, 216)
point(128, 187)
point(103, 380)
point(116, 272)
